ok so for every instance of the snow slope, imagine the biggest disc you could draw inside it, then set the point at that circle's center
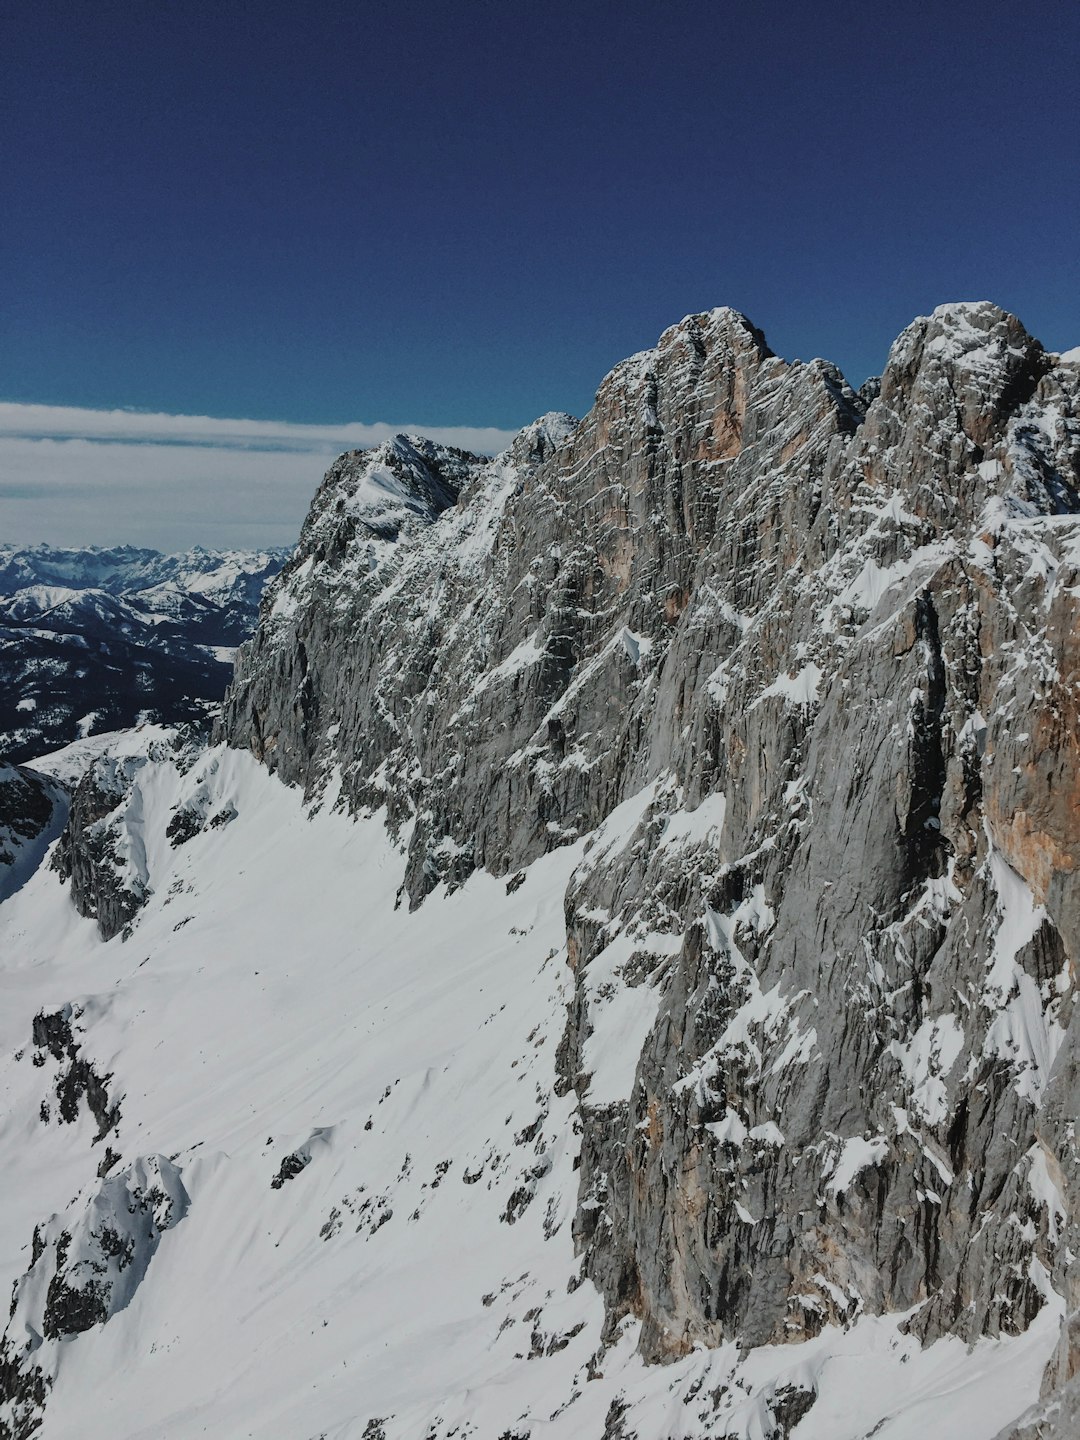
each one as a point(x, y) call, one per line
point(416, 1276)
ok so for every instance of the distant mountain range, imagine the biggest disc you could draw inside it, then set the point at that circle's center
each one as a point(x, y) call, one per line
point(99, 639)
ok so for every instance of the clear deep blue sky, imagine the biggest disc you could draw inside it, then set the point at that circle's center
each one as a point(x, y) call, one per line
point(465, 213)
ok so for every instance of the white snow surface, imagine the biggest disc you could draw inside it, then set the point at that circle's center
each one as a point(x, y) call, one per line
point(855, 1154)
point(271, 1001)
point(1024, 1030)
point(70, 762)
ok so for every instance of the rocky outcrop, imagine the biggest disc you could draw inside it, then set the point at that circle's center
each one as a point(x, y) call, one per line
point(86, 1266)
point(102, 850)
point(57, 1034)
point(802, 663)
point(1056, 1416)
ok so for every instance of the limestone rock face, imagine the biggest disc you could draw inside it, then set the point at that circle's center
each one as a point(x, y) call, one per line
point(803, 663)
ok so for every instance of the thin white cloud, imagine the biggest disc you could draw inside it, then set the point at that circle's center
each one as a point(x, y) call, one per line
point(64, 422)
point(80, 477)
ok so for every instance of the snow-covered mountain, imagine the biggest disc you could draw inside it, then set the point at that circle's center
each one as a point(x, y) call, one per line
point(93, 640)
point(646, 1007)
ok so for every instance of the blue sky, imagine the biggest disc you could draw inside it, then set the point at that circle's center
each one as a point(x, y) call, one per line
point(463, 214)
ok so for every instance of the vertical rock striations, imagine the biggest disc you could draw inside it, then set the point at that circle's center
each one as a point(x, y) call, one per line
point(803, 664)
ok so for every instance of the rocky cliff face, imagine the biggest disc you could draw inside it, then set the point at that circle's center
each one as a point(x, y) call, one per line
point(821, 648)
point(84, 1268)
point(102, 851)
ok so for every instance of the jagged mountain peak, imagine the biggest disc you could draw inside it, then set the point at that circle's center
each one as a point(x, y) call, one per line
point(971, 388)
point(375, 492)
point(979, 351)
point(716, 337)
point(973, 336)
point(537, 440)
point(702, 468)
point(414, 451)
point(979, 315)
point(723, 324)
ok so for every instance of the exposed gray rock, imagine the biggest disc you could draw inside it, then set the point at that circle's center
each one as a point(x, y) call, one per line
point(1057, 1414)
point(102, 849)
point(86, 1265)
point(76, 1079)
point(290, 1167)
point(801, 662)
point(24, 1390)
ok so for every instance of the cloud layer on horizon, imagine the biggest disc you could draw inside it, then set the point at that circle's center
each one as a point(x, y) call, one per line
point(70, 476)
